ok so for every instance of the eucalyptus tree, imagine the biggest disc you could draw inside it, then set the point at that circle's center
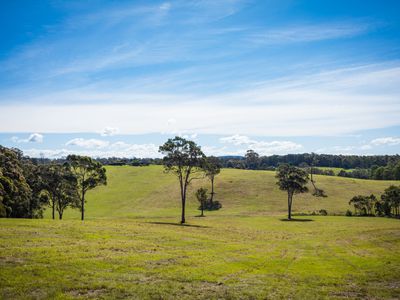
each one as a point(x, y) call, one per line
point(201, 195)
point(15, 192)
point(185, 160)
point(68, 194)
point(89, 174)
point(293, 180)
point(59, 186)
point(252, 160)
point(212, 168)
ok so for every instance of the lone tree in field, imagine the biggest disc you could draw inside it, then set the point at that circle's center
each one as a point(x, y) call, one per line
point(293, 180)
point(212, 168)
point(252, 159)
point(185, 159)
point(201, 195)
point(89, 174)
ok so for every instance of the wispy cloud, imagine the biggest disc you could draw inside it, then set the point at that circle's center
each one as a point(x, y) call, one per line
point(300, 33)
point(386, 141)
point(109, 131)
point(337, 102)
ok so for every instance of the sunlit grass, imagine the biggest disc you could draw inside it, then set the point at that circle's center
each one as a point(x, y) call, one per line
point(131, 245)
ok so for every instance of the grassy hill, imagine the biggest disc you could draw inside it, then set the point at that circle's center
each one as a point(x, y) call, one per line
point(137, 192)
point(132, 247)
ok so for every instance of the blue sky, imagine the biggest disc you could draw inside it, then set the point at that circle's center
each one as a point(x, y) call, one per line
point(107, 78)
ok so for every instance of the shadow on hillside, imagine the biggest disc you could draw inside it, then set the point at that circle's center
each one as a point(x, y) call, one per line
point(297, 220)
point(177, 224)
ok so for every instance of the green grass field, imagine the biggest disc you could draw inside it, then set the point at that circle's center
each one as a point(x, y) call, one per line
point(131, 246)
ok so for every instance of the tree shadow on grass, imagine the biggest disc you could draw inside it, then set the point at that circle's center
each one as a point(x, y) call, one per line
point(297, 220)
point(178, 224)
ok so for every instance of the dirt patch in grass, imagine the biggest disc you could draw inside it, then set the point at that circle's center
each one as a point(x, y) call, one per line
point(87, 293)
point(11, 260)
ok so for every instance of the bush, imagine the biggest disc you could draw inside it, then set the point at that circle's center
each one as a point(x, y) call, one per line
point(323, 212)
point(349, 213)
point(215, 205)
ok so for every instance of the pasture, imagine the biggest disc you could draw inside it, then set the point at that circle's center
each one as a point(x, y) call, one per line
point(131, 245)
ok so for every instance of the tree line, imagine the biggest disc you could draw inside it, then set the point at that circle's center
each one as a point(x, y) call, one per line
point(27, 187)
point(252, 160)
point(378, 167)
point(387, 205)
point(389, 172)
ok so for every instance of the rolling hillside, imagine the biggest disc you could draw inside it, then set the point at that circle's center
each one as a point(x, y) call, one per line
point(131, 246)
point(137, 192)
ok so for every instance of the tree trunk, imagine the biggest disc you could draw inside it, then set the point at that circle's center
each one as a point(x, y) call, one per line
point(212, 190)
point(202, 208)
point(183, 194)
point(53, 209)
point(60, 215)
point(290, 205)
point(83, 206)
point(183, 210)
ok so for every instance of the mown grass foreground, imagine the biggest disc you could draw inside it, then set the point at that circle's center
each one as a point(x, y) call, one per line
point(132, 247)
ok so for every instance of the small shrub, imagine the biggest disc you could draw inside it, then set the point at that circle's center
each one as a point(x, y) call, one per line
point(323, 212)
point(349, 213)
point(215, 205)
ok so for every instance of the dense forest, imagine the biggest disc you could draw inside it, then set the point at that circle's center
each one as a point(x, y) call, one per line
point(380, 167)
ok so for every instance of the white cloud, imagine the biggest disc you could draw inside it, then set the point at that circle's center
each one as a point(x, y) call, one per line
point(236, 140)
point(33, 138)
point(117, 149)
point(109, 131)
point(87, 143)
point(262, 147)
point(386, 141)
point(192, 136)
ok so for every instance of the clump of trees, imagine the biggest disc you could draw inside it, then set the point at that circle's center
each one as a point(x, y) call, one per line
point(293, 180)
point(387, 205)
point(27, 185)
point(58, 187)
